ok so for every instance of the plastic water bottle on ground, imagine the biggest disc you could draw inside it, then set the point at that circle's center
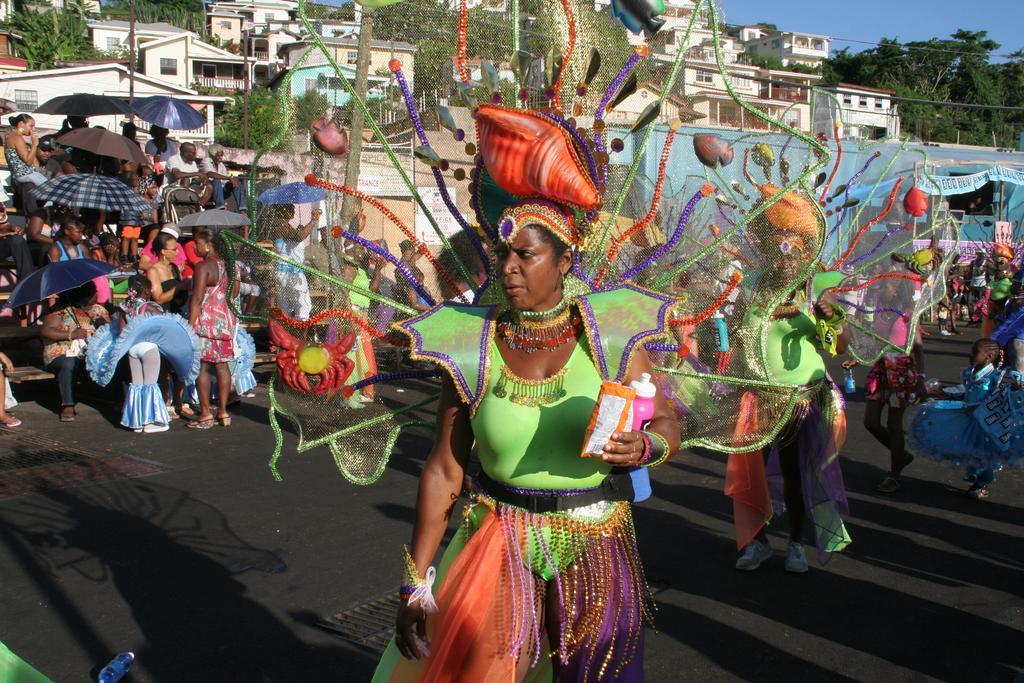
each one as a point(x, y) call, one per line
point(117, 668)
point(849, 382)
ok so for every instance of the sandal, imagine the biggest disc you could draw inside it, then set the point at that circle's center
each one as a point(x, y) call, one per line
point(224, 421)
point(172, 412)
point(890, 484)
point(10, 421)
point(201, 424)
point(186, 410)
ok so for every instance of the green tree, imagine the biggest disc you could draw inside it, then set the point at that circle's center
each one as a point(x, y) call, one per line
point(39, 29)
point(308, 108)
point(264, 120)
point(955, 69)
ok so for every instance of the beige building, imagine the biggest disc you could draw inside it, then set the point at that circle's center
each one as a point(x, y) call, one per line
point(186, 61)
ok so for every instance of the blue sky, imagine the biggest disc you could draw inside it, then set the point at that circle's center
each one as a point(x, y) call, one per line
point(874, 19)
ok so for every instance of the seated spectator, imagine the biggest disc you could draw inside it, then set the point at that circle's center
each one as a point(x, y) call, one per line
point(169, 286)
point(14, 246)
point(6, 397)
point(106, 250)
point(183, 170)
point(43, 227)
point(159, 149)
point(222, 184)
point(70, 244)
point(65, 332)
point(149, 255)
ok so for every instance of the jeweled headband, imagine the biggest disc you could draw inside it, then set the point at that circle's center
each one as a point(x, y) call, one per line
point(557, 220)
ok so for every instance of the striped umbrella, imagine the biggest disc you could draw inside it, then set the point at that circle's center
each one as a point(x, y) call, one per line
point(88, 191)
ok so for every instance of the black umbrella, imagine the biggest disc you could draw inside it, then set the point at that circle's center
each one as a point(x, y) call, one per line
point(85, 104)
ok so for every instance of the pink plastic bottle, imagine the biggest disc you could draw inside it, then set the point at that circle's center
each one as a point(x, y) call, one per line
point(643, 404)
point(643, 412)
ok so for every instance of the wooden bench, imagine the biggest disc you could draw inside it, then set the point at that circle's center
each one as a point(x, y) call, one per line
point(19, 332)
point(265, 357)
point(29, 373)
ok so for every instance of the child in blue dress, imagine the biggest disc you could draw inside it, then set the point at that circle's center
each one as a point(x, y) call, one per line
point(979, 425)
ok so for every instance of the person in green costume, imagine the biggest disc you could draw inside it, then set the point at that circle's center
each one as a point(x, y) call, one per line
point(801, 473)
point(543, 580)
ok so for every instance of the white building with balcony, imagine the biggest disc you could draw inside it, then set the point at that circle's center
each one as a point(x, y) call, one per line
point(789, 47)
point(865, 113)
point(185, 61)
point(30, 89)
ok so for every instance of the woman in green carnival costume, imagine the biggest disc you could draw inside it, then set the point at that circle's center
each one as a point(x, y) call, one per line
point(543, 578)
point(801, 474)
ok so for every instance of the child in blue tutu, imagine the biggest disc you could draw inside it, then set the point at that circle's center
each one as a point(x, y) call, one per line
point(979, 424)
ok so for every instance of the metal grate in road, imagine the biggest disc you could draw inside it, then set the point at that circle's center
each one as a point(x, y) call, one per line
point(32, 464)
point(369, 624)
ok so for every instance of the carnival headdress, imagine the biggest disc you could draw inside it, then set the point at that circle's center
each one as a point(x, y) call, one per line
point(538, 164)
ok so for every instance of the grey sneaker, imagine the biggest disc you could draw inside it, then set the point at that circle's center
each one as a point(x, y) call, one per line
point(796, 560)
point(753, 555)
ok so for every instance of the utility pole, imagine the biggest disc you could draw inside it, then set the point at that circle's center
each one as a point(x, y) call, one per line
point(131, 52)
point(245, 87)
point(349, 204)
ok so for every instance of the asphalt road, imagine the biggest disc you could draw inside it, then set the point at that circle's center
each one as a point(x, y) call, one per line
point(209, 570)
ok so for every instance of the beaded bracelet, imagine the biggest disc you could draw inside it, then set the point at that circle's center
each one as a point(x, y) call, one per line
point(648, 449)
point(659, 450)
point(416, 588)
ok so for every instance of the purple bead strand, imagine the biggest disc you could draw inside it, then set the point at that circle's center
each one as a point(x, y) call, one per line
point(684, 218)
point(421, 133)
point(399, 265)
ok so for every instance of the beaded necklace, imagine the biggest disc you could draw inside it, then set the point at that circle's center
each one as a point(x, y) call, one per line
point(531, 331)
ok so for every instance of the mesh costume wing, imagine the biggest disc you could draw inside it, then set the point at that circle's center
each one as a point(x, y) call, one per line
point(702, 217)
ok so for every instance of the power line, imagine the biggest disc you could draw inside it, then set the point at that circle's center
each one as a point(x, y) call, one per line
point(924, 48)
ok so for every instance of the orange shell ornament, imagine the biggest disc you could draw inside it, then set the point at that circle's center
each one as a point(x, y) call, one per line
point(528, 155)
point(1004, 251)
point(915, 202)
point(792, 212)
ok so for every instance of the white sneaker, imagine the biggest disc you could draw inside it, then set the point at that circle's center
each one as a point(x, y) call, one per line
point(796, 560)
point(753, 555)
point(153, 428)
point(945, 333)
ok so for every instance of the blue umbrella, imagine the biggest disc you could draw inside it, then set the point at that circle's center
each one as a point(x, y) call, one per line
point(56, 278)
point(167, 112)
point(292, 193)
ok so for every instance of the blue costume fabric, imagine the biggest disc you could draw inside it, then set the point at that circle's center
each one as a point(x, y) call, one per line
point(172, 334)
point(981, 427)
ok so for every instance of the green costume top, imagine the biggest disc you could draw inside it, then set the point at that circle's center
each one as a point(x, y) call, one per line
point(792, 355)
point(539, 447)
point(361, 280)
point(1001, 289)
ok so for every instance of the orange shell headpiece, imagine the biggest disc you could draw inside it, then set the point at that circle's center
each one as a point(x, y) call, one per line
point(531, 157)
point(1003, 251)
point(792, 214)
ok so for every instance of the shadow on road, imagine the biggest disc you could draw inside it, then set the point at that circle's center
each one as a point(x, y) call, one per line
point(174, 560)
